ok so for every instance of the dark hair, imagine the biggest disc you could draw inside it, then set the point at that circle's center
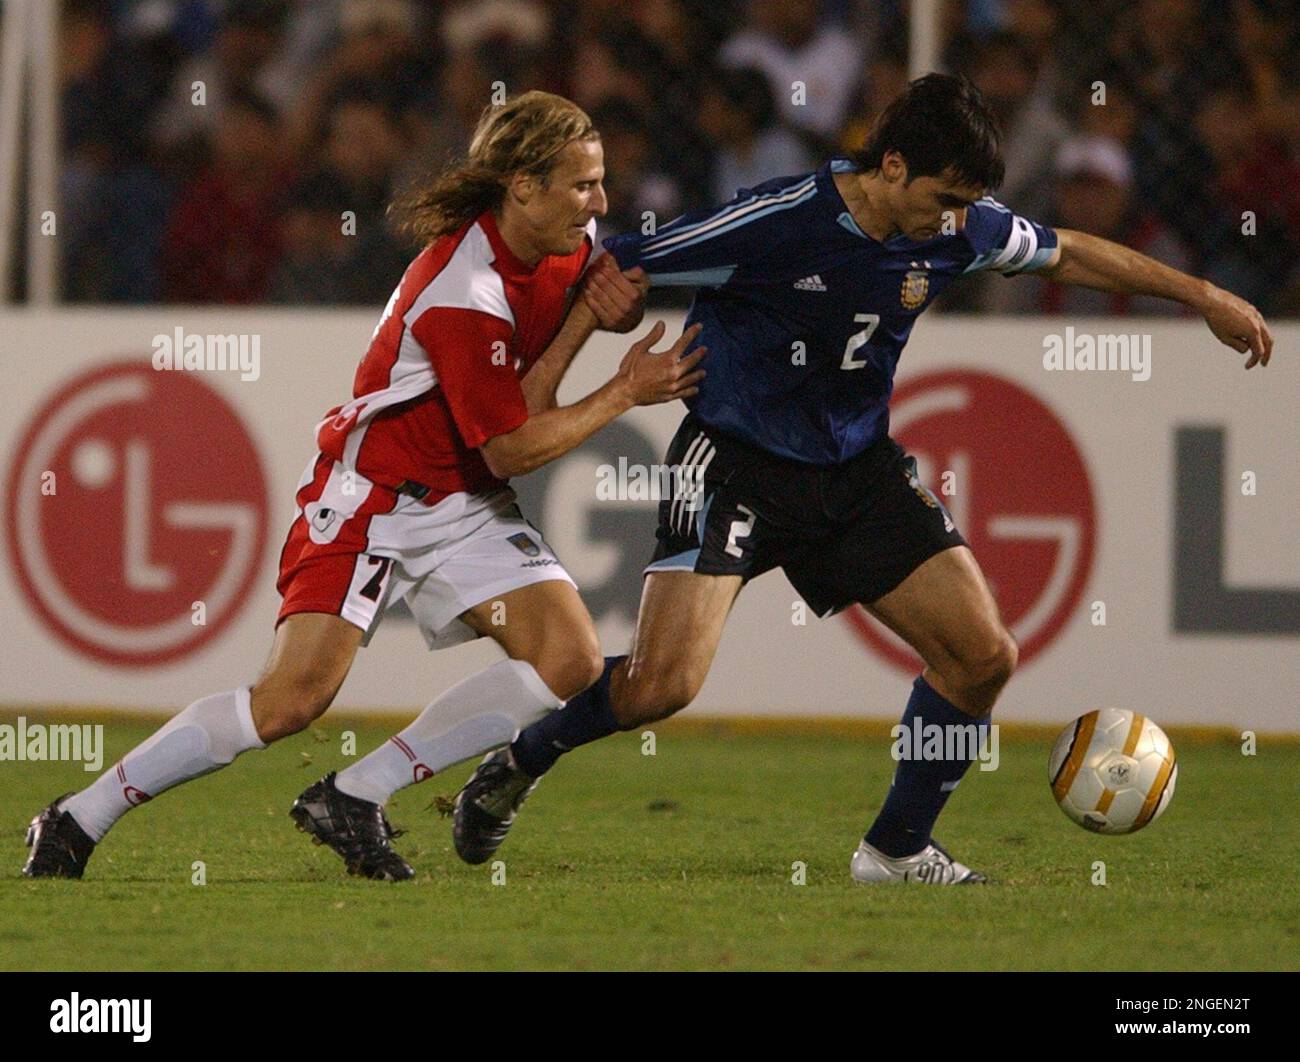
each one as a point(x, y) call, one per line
point(939, 124)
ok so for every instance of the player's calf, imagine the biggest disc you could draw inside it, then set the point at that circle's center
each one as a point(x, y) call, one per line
point(287, 701)
point(309, 660)
point(287, 704)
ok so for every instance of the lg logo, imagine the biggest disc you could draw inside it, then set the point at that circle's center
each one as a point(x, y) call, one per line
point(137, 495)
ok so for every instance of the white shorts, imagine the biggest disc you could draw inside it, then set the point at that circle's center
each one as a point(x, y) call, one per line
point(442, 560)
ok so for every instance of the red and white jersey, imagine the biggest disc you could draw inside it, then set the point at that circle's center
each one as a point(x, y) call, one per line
point(442, 374)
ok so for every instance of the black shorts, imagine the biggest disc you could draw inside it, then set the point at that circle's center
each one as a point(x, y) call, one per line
point(841, 533)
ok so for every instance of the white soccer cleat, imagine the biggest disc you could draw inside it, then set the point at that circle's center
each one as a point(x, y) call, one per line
point(930, 866)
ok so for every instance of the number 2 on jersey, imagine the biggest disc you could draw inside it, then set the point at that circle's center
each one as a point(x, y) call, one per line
point(859, 339)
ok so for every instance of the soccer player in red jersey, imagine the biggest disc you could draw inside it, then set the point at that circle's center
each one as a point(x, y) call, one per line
point(406, 497)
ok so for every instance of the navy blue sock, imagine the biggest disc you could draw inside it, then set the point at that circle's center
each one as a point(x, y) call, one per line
point(921, 785)
point(583, 719)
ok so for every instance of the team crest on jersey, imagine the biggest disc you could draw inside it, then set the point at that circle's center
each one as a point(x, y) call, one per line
point(916, 285)
point(524, 544)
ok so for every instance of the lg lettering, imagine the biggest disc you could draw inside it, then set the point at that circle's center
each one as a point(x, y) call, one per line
point(1202, 602)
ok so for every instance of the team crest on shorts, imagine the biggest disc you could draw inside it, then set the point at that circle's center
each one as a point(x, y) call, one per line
point(916, 285)
point(322, 519)
point(524, 543)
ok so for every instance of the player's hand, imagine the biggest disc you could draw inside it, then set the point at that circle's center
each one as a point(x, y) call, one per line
point(615, 297)
point(1236, 323)
point(661, 376)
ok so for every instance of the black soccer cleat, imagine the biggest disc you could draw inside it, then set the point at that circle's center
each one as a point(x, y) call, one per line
point(60, 847)
point(358, 830)
point(486, 806)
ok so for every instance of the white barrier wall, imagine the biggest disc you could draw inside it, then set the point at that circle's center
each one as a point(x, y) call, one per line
point(141, 573)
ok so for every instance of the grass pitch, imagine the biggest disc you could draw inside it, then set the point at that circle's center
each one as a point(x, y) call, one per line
point(680, 860)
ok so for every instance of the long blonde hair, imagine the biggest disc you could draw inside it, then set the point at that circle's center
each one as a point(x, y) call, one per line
point(525, 134)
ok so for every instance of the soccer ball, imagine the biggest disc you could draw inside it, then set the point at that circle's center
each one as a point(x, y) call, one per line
point(1112, 771)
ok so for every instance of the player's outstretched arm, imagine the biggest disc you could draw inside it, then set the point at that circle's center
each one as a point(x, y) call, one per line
point(1093, 262)
point(645, 377)
point(611, 300)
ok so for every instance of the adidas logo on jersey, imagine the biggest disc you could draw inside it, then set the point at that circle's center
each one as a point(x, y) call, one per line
point(812, 283)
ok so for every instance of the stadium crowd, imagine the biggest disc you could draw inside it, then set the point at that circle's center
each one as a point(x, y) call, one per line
point(244, 151)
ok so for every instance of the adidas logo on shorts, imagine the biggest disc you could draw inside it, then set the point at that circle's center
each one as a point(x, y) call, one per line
point(812, 283)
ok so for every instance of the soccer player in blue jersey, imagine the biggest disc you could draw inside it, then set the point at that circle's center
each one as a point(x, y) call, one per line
point(788, 462)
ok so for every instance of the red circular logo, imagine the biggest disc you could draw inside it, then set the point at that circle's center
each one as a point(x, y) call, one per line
point(137, 514)
point(1007, 470)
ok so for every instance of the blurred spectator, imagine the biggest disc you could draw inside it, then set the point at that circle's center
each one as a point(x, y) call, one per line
point(338, 247)
point(339, 102)
point(605, 76)
point(619, 62)
point(223, 236)
point(789, 44)
point(633, 182)
point(515, 26)
point(1093, 192)
point(1005, 70)
point(738, 116)
point(1253, 180)
point(317, 260)
point(363, 147)
point(325, 260)
point(1172, 53)
point(886, 78)
point(1117, 118)
point(113, 203)
point(380, 53)
point(1037, 24)
point(245, 43)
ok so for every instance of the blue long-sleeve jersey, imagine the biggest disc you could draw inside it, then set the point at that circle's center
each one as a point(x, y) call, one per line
point(804, 314)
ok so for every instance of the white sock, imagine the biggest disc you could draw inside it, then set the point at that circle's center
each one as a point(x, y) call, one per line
point(483, 712)
point(208, 734)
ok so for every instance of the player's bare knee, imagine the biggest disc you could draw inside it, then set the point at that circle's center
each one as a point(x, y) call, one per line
point(569, 676)
point(647, 700)
point(984, 671)
point(570, 668)
point(1001, 665)
point(284, 705)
